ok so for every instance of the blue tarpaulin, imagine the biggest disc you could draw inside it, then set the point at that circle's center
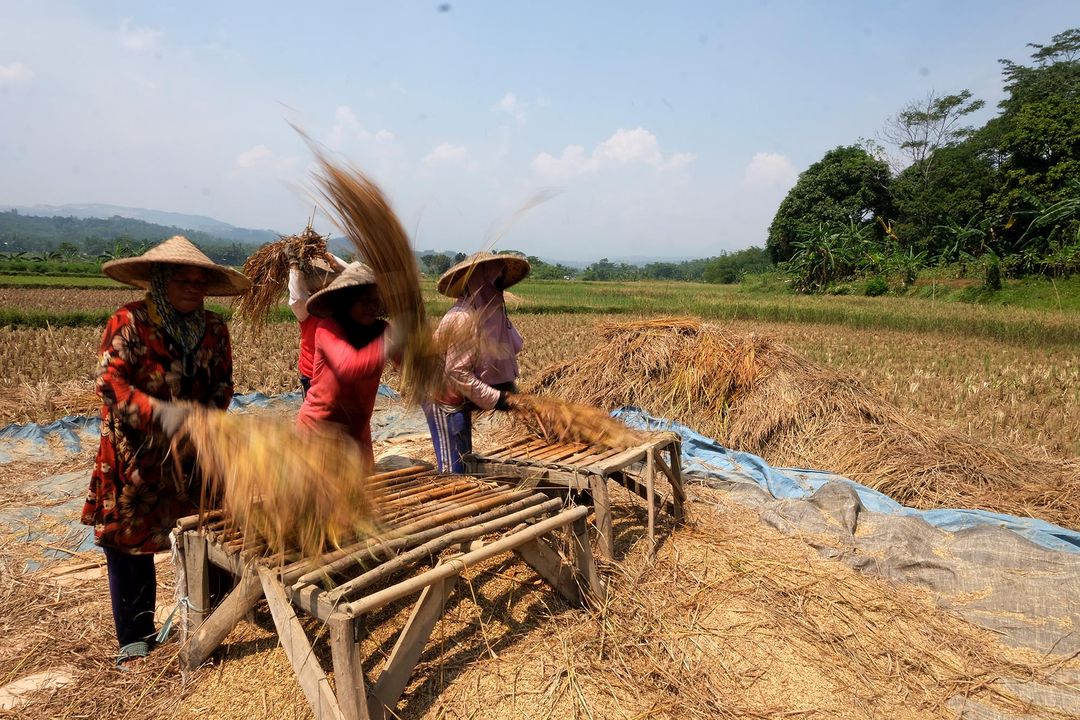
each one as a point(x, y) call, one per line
point(705, 457)
point(32, 441)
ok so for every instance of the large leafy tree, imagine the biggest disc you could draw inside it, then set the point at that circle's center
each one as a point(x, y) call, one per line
point(1036, 138)
point(924, 126)
point(846, 186)
point(951, 185)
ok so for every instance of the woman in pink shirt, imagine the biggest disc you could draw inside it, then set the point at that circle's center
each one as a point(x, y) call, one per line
point(351, 346)
point(480, 373)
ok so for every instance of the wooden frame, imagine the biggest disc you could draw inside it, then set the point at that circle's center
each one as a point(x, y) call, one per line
point(427, 516)
point(577, 466)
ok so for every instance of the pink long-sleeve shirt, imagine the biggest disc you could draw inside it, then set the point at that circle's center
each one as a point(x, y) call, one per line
point(471, 373)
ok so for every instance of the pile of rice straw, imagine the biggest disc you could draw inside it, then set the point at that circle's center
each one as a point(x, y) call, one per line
point(760, 396)
point(557, 421)
point(295, 490)
point(268, 270)
point(44, 401)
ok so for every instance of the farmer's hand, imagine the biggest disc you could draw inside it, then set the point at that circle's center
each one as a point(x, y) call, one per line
point(170, 416)
point(503, 402)
point(292, 256)
point(397, 338)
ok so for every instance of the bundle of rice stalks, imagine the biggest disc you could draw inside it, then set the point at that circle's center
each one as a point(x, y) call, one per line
point(268, 270)
point(365, 217)
point(558, 421)
point(287, 489)
point(760, 396)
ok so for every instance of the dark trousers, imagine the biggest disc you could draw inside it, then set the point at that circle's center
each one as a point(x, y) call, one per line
point(305, 385)
point(451, 434)
point(133, 587)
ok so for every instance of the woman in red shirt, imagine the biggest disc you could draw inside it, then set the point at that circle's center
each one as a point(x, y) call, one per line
point(352, 345)
point(301, 286)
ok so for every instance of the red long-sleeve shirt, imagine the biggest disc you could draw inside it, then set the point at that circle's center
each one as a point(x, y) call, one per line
point(344, 383)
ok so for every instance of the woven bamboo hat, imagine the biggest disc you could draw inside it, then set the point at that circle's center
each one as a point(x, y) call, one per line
point(452, 283)
point(321, 273)
point(177, 250)
point(356, 274)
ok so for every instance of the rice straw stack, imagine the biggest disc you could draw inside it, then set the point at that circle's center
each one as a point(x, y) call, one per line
point(558, 421)
point(283, 488)
point(268, 270)
point(363, 214)
point(760, 396)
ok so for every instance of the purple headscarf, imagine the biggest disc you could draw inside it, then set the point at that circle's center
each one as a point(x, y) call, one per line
point(501, 341)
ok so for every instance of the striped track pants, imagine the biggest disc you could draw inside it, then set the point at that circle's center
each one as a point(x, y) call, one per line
point(451, 434)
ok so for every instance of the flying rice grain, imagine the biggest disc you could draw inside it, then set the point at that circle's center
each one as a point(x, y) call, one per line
point(287, 488)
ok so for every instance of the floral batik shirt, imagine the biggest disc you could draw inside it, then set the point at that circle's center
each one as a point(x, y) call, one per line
point(138, 489)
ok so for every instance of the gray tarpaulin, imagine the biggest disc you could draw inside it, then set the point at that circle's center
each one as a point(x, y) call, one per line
point(1018, 577)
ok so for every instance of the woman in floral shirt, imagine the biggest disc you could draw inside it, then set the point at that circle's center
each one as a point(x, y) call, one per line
point(157, 350)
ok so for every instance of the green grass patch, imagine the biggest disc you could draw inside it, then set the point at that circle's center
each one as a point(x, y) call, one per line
point(1023, 314)
point(19, 280)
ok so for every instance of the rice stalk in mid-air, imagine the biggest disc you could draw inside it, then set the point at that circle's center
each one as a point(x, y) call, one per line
point(268, 270)
point(287, 488)
point(557, 421)
point(363, 214)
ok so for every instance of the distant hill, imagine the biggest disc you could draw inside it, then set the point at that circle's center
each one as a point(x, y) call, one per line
point(202, 223)
point(93, 237)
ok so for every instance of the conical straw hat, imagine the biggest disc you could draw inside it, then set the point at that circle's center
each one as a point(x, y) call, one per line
point(453, 282)
point(321, 304)
point(321, 273)
point(177, 250)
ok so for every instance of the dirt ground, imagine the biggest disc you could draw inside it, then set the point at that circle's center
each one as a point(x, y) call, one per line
point(728, 619)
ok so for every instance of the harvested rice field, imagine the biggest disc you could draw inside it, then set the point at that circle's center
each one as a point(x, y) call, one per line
point(1022, 395)
point(729, 619)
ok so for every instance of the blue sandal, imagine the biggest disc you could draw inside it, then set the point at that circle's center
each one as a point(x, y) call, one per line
point(132, 651)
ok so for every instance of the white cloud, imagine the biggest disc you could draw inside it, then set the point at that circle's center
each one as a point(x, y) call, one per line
point(573, 161)
point(254, 156)
point(138, 39)
point(347, 127)
point(512, 107)
point(624, 147)
point(447, 154)
point(769, 170)
point(627, 146)
point(15, 74)
point(678, 161)
point(384, 136)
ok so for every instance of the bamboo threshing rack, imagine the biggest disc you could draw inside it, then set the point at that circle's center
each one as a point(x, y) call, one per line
point(569, 466)
point(452, 521)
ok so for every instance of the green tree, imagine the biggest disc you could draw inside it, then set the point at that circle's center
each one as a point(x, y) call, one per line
point(1036, 139)
point(436, 263)
point(730, 268)
point(953, 183)
point(846, 186)
point(924, 126)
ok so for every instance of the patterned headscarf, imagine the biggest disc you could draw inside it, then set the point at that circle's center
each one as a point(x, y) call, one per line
point(186, 330)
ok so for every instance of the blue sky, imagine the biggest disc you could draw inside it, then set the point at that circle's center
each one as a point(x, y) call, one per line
point(669, 129)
